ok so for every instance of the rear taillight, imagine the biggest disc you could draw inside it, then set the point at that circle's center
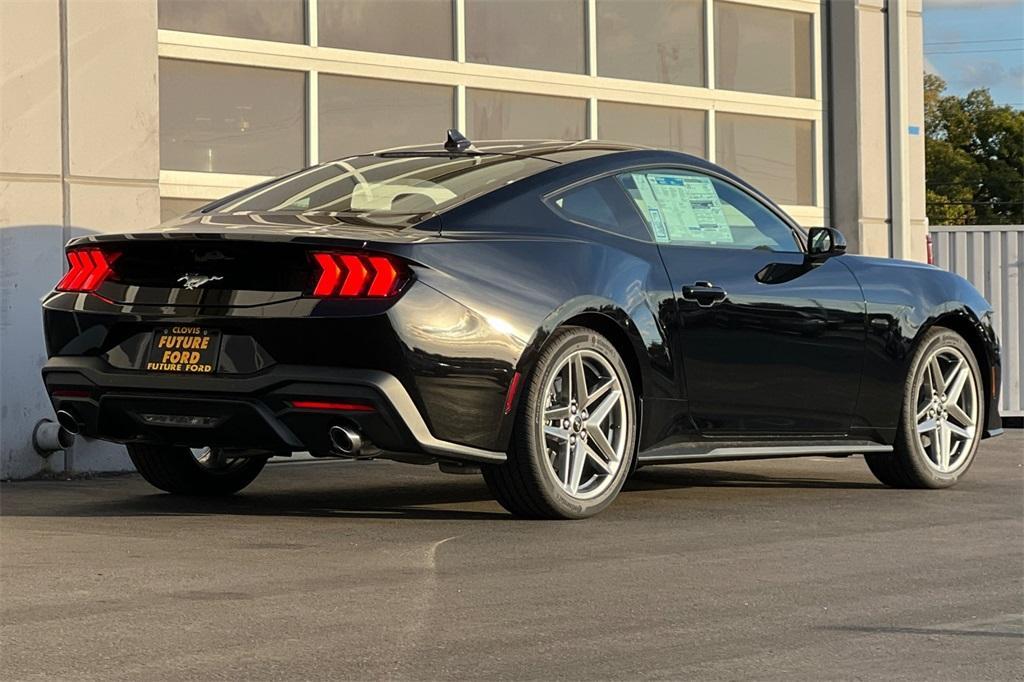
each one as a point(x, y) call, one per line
point(87, 269)
point(928, 246)
point(348, 275)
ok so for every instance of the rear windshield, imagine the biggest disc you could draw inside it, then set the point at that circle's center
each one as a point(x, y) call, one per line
point(381, 186)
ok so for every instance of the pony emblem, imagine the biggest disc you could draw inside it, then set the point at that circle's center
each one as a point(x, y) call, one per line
point(191, 281)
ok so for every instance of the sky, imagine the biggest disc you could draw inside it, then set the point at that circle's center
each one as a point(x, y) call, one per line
point(977, 44)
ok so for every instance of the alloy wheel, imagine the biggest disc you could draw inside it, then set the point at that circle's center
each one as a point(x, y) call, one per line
point(583, 425)
point(947, 409)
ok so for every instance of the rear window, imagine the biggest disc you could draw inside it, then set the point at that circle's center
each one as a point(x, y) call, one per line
point(380, 186)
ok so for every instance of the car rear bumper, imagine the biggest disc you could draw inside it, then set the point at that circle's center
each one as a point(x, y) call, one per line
point(253, 411)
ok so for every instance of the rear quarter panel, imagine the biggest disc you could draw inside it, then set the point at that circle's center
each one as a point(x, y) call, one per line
point(514, 286)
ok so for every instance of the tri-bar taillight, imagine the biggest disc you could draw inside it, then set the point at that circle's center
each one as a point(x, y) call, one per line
point(88, 268)
point(350, 275)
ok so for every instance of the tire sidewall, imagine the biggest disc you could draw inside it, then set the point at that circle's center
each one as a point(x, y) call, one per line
point(174, 469)
point(917, 458)
point(528, 444)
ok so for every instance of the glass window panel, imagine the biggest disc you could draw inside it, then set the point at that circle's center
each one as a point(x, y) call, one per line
point(693, 209)
point(759, 49)
point(661, 41)
point(421, 28)
point(662, 127)
point(533, 34)
point(493, 115)
point(171, 207)
point(360, 115)
point(280, 20)
point(386, 185)
point(603, 204)
point(223, 118)
point(776, 155)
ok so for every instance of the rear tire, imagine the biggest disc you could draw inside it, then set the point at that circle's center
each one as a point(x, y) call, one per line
point(942, 418)
point(178, 471)
point(572, 448)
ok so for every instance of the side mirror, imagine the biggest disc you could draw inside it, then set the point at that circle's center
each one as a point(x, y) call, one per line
point(825, 242)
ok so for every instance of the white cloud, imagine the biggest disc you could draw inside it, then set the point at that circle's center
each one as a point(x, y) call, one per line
point(988, 74)
point(1017, 77)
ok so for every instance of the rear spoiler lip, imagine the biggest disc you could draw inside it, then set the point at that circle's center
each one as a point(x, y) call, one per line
point(342, 236)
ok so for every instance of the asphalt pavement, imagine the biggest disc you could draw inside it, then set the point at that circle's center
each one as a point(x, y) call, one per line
point(784, 569)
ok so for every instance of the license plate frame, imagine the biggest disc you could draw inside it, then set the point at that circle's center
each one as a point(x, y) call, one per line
point(183, 349)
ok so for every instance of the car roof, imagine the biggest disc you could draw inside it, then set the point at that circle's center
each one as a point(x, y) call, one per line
point(566, 152)
point(528, 147)
point(559, 152)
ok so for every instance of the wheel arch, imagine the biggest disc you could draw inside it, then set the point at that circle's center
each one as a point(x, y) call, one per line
point(612, 322)
point(617, 335)
point(969, 326)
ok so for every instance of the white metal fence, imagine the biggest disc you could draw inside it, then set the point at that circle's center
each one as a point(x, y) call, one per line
point(992, 258)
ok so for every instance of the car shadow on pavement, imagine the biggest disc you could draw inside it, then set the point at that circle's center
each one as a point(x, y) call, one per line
point(428, 498)
point(409, 501)
point(665, 477)
point(929, 632)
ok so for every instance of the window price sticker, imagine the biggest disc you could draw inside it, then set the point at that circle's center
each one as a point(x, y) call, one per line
point(688, 208)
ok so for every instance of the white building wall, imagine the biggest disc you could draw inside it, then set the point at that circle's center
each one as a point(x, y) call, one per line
point(79, 152)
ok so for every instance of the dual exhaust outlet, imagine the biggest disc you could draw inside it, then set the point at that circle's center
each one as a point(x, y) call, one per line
point(345, 441)
point(49, 437)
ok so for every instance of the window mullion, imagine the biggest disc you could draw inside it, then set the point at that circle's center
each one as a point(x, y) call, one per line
point(312, 25)
point(709, 44)
point(313, 117)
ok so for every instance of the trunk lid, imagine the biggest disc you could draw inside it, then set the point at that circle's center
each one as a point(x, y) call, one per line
point(241, 260)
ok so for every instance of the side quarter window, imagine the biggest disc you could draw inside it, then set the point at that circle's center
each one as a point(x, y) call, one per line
point(602, 204)
point(693, 209)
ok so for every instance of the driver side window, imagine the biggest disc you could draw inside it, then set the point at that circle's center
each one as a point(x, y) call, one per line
point(691, 209)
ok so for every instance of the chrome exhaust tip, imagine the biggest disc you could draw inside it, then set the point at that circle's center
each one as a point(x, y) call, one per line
point(345, 441)
point(68, 422)
point(49, 437)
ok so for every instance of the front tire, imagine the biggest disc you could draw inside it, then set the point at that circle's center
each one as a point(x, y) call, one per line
point(942, 418)
point(183, 471)
point(574, 439)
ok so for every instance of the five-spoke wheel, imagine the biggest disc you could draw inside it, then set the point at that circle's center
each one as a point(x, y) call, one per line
point(583, 423)
point(947, 408)
point(575, 432)
point(942, 418)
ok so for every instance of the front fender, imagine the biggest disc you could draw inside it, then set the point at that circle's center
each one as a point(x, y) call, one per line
point(973, 321)
point(903, 301)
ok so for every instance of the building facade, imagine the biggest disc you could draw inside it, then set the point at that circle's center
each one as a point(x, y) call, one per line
point(117, 114)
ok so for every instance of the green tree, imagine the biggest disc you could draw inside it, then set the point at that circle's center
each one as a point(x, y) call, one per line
point(974, 158)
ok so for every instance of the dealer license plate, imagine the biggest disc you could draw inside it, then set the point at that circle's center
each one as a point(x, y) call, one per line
point(187, 350)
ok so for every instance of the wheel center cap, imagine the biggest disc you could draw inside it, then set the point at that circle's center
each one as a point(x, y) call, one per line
point(577, 424)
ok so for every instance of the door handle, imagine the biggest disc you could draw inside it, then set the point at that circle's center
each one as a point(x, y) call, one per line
point(705, 294)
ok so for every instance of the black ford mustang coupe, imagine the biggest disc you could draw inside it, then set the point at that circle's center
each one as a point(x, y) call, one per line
point(554, 314)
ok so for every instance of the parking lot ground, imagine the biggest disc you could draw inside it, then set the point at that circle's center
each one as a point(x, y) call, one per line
point(802, 569)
